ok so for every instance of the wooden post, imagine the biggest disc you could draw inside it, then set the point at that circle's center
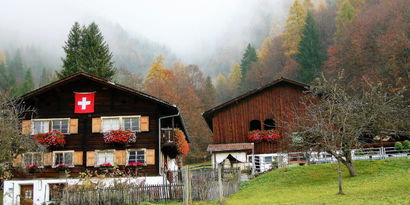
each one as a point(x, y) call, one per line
point(221, 194)
point(187, 186)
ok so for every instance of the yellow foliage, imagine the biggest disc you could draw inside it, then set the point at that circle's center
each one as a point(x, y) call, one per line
point(294, 27)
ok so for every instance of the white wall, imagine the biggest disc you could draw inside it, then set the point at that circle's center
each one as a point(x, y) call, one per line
point(11, 191)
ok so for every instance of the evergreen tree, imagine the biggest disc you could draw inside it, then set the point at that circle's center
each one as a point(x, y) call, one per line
point(45, 77)
point(72, 49)
point(86, 51)
point(208, 95)
point(4, 78)
point(28, 84)
point(16, 68)
point(96, 57)
point(310, 57)
point(344, 18)
point(293, 27)
point(234, 78)
point(248, 58)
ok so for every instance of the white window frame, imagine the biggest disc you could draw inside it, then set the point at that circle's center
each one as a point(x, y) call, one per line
point(120, 118)
point(136, 150)
point(41, 160)
point(58, 152)
point(50, 121)
point(105, 150)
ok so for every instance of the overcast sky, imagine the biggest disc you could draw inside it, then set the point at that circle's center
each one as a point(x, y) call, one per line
point(182, 25)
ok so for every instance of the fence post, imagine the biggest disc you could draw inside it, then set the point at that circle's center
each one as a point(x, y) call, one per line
point(221, 194)
point(187, 186)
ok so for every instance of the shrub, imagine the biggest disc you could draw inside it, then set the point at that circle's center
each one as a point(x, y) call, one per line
point(398, 146)
point(406, 144)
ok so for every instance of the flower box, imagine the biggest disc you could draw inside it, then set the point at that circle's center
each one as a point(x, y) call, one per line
point(120, 137)
point(62, 167)
point(54, 138)
point(32, 168)
point(105, 166)
point(258, 136)
point(135, 165)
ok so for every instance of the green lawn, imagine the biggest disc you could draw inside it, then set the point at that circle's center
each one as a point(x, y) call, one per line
point(379, 182)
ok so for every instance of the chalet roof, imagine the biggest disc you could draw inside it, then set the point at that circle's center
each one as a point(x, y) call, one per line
point(209, 113)
point(96, 79)
point(107, 83)
point(229, 147)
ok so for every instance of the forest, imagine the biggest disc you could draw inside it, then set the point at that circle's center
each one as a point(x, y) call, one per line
point(363, 38)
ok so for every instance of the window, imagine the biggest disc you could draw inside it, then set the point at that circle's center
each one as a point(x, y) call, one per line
point(63, 157)
point(41, 126)
point(32, 158)
point(255, 125)
point(268, 160)
point(45, 125)
point(60, 125)
point(56, 191)
point(293, 158)
point(136, 156)
point(269, 124)
point(121, 122)
point(131, 123)
point(104, 157)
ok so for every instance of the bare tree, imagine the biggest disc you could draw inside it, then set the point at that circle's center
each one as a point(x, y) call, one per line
point(12, 141)
point(335, 114)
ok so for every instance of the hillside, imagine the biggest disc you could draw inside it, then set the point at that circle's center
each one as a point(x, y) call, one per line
point(379, 182)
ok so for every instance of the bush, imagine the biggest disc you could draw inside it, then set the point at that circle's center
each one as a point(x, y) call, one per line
point(398, 146)
point(406, 144)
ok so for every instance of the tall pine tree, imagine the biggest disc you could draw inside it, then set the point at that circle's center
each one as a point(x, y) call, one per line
point(248, 58)
point(294, 26)
point(86, 51)
point(310, 56)
point(72, 49)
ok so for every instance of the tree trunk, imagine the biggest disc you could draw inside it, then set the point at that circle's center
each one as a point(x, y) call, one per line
point(349, 164)
point(339, 175)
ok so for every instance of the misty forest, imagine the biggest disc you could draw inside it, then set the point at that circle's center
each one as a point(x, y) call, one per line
point(209, 58)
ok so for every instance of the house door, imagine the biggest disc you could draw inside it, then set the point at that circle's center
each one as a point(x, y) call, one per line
point(26, 194)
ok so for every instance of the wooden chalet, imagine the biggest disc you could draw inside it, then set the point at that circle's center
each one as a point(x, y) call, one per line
point(260, 109)
point(115, 107)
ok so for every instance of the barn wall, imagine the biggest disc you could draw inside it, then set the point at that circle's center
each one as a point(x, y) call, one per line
point(231, 124)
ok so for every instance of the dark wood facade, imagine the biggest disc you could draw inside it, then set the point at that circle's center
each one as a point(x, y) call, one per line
point(230, 121)
point(56, 100)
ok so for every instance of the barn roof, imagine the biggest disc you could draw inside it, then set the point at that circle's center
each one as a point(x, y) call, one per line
point(107, 83)
point(209, 113)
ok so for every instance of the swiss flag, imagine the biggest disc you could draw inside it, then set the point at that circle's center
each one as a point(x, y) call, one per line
point(84, 102)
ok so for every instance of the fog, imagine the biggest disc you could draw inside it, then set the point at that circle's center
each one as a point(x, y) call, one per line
point(192, 30)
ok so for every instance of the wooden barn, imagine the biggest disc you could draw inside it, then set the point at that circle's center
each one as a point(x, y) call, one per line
point(93, 115)
point(259, 110)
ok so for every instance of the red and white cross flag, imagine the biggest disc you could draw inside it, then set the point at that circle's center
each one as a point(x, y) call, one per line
point(84, 102)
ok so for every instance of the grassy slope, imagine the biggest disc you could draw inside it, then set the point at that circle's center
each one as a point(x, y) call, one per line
point(379, 182)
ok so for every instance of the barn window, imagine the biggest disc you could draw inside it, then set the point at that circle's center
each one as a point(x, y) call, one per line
point(121, 122)
point(106, 156)
point(136, 156)
point(45, 125)
point(31, 158)
point(269, 124)
point(63, 157)
point(255, 125)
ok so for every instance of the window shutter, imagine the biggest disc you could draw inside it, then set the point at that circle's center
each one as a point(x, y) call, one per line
point(96, 123)
point(48, 159)
point(90, 158)
point(18, 161)
point(144, 123)
point(73, 126)
point(150, 156)
point(26, 127)
point(78, 158)
point(120, 157)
